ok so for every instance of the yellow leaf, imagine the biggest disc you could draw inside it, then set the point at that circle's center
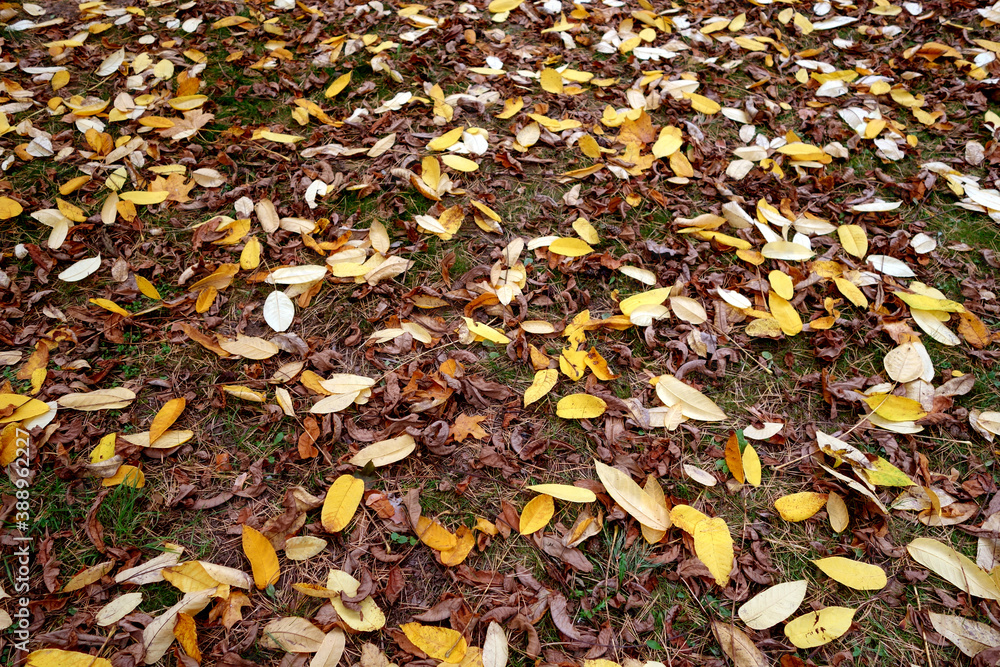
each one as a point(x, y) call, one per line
point(895, 408)
point(250, 257)
point(459, 163)
point(852, 573)
point(486, 331)
point(686, 518)
point(854, 240)
point(56, 657)
point(703, 104)
point(435, 535)
point(630, 496)
point(189, 577)
point(668, 143)
point(551, 81)
point(572, 494)
point(342, 501)
point(851, 292)
point(925, 302)
point(339, 84)
point(263, 558)
point(278, 137)
point(510, 108)
point(127, 475)
point(800, 506)
point(465, 539)
point(303, 548)
point(70, 186)
point(781, 283)
point(751, 465)
point(446, 140)
point(145, 198)
point(836, 509)
point(104, 450)
point(109, 305)
point(188, 102)
point(439, 643)
point(714, 547)
point(785, 313)
point(819, 627)
point(573, 363)
point(656, 296)
point(586, 231)
point(580, 406)
point(88, 401)
point(589, 146)
point(598, 365)
point(166, 417)
point(542, 385)
point(536, 514)
point(655, 492)
point(245, 393)
point(146, 287)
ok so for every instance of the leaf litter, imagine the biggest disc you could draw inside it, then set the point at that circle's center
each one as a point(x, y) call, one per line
point(443, 266)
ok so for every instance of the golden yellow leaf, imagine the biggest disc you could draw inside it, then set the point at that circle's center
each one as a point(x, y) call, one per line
point(166, 417)
point(851, 292)
point(111, 306)
point(263, 559)
point(536, 514)
point(800, 506)
point(785, 313)
point(465, 539)
point(128, 475)
point(570, 247)
point(245, 393)
point(189, 577)
point(439, 643)
point(499, 6)
point(853, 574)
point(144, 198)
point(781, 283)
point(435, 535)
point(819, 627)
point(572, 494)
point(342, 501)
point(250, 256)
point(551, 81)
point(895, 408)
point(586, 231)
point(338, 84)
point(445, 141)
point(57, 657)
point(9, 208)
point(542, 385)
point(751, 465)
point(146, 287)
point(686, 518)
point(854, 240)
point(580, 406)
point(714, 547)
point(703, 104)
point(459, 163)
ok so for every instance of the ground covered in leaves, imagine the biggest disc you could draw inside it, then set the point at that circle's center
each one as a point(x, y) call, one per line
point(300, 300)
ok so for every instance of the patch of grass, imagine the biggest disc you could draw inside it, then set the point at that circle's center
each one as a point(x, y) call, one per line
point(123, 512)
